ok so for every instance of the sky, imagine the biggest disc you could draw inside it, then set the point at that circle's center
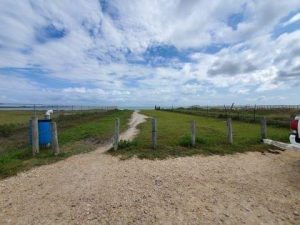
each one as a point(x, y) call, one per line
point(150, 52)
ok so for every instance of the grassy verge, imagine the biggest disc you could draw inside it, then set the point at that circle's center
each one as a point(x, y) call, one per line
point(17, 116)
point(76, 133)
point(277, 117)
point(174, 137)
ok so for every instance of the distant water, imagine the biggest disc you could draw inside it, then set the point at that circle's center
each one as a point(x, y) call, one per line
point(67, 107)
point(136, 107)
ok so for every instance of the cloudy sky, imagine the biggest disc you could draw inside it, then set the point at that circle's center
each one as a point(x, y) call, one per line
point(146, 52)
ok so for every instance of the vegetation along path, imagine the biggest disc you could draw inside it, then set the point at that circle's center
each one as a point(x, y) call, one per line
point(97, 188)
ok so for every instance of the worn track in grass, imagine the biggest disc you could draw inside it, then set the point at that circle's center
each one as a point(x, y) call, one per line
point(96, 188)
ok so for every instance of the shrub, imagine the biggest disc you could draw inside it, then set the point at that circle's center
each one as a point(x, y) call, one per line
point(123, 144)
point(222, 116)
point(186, 141)
point(7, 130)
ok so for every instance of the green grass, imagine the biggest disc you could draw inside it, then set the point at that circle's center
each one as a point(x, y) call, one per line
point(275, 116)
point(174, 132)
point(13, 120)
point(17, 116)
point(76, 133)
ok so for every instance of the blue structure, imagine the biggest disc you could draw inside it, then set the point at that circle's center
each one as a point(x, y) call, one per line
point(45, 134)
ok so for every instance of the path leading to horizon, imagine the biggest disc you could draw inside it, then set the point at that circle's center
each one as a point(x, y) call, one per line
point(97, 188)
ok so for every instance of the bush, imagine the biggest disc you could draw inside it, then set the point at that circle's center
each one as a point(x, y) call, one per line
point(123, 144)
point(186, 141)
point(7, 130)
point(222, 116)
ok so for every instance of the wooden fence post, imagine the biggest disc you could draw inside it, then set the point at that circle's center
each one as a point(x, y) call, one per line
point(229, 131)
point(254, 113)
point(117, 133)
point(35, 135)
point(34, 110)
point(193, 132)
point(154, 133)
point(263, 128)
point(54, 141)
point(225, 111)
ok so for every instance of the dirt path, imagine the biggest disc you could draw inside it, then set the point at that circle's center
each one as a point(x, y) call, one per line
point(96, 188)
point(132, 131)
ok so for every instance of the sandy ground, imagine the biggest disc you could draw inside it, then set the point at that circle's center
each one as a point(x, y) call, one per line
point(132, 131)
point(96, 188)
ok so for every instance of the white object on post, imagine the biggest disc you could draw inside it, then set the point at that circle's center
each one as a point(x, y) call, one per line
point(48, 114)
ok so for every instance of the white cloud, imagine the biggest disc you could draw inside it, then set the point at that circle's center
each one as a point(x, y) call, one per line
point(295, 18)
point(93, 55)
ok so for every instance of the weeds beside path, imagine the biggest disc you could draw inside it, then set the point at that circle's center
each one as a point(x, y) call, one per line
point(173, 131)
point(77, 133)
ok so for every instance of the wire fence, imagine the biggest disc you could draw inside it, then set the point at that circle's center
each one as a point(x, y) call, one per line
point(16, 123)
point(57, 109)
point(278, 115)
point(21, 113)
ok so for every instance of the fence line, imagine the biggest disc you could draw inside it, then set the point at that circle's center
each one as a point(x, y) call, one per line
point(57, 109)
point(245, 107)
point(228, 127)
point(245, 113)
point(37, 107)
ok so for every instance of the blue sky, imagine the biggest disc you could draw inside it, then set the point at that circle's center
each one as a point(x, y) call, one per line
point(147, 52)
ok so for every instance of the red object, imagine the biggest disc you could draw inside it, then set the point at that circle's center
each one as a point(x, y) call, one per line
point(294, 124)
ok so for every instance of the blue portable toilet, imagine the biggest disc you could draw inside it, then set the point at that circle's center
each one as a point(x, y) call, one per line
point(45, 134)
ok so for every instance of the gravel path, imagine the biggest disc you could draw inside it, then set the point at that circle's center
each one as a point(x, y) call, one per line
point(96, 188)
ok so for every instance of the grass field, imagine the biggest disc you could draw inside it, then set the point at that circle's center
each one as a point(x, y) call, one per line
point(275, 116)
point(17, 116)
point(76, 133)
point(174, 137)
point(14, 120)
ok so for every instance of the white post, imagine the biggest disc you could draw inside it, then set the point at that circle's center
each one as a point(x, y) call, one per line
point(35, 135)
point(229, 131)
point(117, 133)
point(54, 142)
point(263, 128)
point(154, 133)
point(193, 132)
